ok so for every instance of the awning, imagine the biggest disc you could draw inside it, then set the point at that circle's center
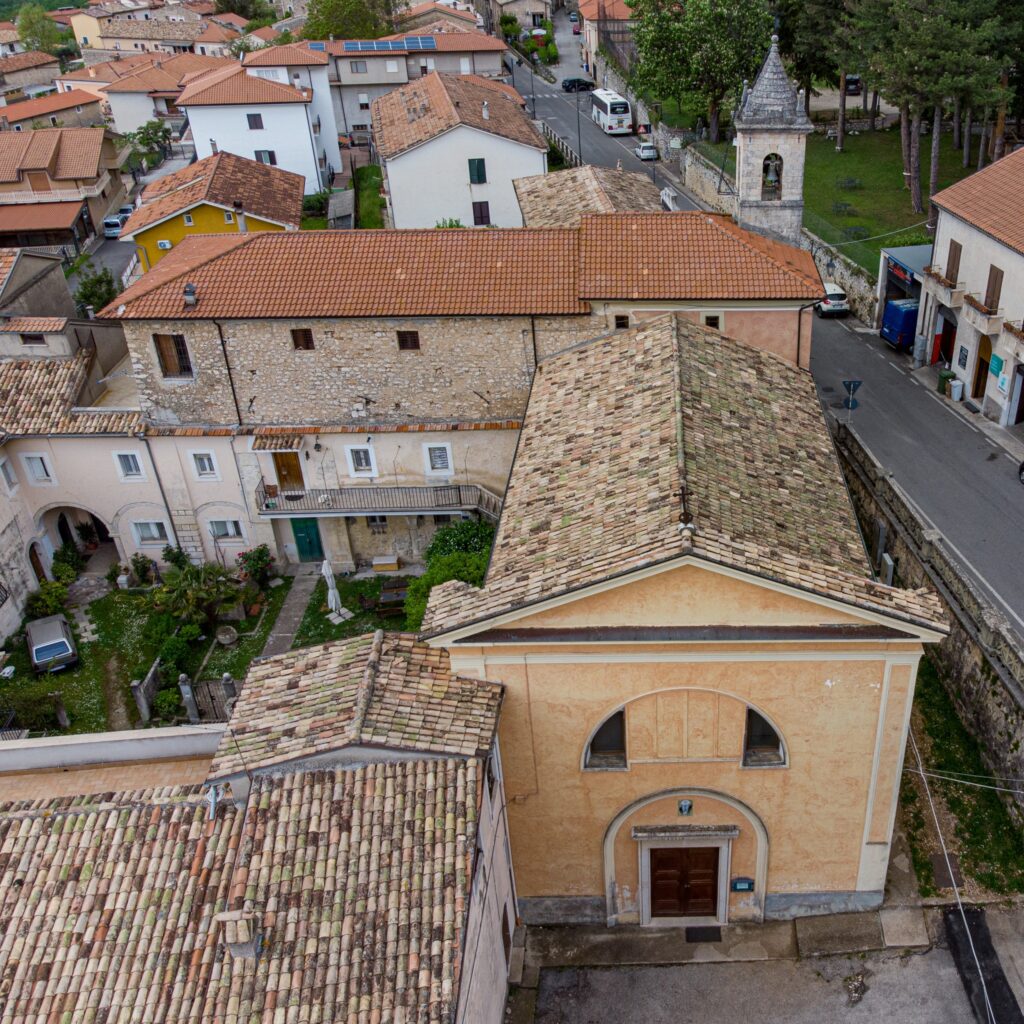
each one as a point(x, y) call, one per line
point(40, 216)
point(277, 442)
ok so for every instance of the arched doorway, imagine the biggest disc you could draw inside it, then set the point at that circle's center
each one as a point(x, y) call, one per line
point(67, 535)
point(36, 561)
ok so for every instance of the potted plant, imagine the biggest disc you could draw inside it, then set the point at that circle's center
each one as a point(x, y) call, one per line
point(87, 535)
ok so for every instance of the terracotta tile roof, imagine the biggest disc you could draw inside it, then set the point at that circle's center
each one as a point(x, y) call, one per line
point(265, 442)
point(267, 192)
point(33, 324)
point(167, 76)
point(37, 397)
point(606, 10)
point(692, 255)
point(8, 35)
point(434, 8)
point(230, 19)
point(377, 690)
point(8, 257)
point(65, 153)
point(421, 110)
point(361, 880)
point(288, 55)
point(120, 906)
point(215, 33)
point(561, 198)
point(992, 200)
point(107, 904)
point(39, 216)
point(362, 273)
point(232, 86)
point(176, 66)
point(28, 110)
point(447, 42)
point(267, 34)
point(24, 61)
point(631, 436)
point(155, 29)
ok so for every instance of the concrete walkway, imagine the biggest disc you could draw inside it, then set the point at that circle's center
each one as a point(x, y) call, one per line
point(282, 636)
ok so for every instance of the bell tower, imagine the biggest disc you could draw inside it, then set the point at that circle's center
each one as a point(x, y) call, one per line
point(771, 139)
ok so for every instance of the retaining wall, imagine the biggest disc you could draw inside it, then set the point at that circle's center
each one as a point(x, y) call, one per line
point(981, 662)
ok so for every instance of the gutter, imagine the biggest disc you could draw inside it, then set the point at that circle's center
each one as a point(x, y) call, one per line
point(227, 366)
point(160, 486)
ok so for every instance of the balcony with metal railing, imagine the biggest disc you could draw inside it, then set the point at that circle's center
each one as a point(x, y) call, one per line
point(57, 195)
point(275, 501)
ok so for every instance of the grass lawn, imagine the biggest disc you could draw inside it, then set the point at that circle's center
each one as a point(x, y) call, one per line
point(369, 203)
point(989, 846)
point(313, 224)
point(105, 670)
point(251, 640)
point(316, 628)
point(877, 205)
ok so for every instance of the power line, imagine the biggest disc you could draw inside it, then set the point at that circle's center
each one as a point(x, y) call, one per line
point(965, 782)
point(949, 867)
point(857, 241)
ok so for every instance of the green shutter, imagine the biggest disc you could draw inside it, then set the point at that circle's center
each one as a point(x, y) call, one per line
point(477, 172)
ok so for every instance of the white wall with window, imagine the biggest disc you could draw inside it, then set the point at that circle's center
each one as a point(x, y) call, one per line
point(130, 466)
point(463, 175)
point(39, 470)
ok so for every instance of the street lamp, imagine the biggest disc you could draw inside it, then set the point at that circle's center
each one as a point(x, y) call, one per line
point(579, 135)
point(533, 79)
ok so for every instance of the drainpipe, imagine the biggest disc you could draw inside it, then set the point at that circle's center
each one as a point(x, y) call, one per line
point(227, 366)
point(533, 335)
point(160, 486)
point(800, 325)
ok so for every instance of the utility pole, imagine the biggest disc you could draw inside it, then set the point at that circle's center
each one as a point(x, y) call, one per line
point(579, 134)
point(533, 81)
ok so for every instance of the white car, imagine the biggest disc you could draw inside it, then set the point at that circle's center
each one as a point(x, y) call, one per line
point(834, 303)
point(646, 151)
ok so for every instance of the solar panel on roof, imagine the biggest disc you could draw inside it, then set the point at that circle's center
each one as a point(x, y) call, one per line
point(321, 47)
point(420, 43)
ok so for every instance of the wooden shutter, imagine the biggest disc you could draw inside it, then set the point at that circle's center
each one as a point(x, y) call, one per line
point(994, 290)
point(953, 261)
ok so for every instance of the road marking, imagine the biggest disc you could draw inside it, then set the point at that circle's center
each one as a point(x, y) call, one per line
point(1012, 458)
point(979, 579)
point(896, 366)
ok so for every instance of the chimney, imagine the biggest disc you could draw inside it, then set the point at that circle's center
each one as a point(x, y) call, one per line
point(240, 216)
point(190, 294)
point(213, 147)
point(486, 112)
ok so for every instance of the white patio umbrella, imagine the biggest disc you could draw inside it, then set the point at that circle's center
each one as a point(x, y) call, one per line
point(333, 597)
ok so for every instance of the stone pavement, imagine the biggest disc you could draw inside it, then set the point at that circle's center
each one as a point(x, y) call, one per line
point(287, 625)
point(81, 594)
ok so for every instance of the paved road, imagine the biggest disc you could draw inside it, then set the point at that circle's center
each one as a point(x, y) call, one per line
point(960, 480)
point(548, 103)
point(111, 253)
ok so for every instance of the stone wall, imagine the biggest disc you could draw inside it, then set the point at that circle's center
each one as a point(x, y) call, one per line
point(981, 662)
point(706, 181)
point(466, 368)
point(850, 276)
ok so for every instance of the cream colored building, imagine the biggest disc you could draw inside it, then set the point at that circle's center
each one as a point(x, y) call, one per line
point(708, 693)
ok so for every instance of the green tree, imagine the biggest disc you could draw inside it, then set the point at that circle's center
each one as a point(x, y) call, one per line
point(469, 535)
point(96, 288)
point(251, 10)
point(347, 19)
point(151, 136)
point(468, 566)
point(195, 594)
point(37, 31)
point(808, 31)
point(705, 47)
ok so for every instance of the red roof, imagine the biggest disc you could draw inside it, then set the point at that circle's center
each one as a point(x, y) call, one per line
point(27, 110)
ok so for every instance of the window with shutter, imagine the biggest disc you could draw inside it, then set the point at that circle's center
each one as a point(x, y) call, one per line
point(408, 341)
point(172, 353)
point(994, 291)
point(302, 338)
point(477, 171)
point(953, 261)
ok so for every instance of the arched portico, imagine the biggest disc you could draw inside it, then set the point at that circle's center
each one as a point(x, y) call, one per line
point(62, 523)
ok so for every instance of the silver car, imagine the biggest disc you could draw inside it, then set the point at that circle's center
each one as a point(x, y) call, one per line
point(51, 645)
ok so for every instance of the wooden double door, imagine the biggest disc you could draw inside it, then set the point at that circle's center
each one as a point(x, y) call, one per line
point(684, 881)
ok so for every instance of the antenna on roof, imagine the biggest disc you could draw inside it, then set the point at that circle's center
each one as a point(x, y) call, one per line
point(190, 294)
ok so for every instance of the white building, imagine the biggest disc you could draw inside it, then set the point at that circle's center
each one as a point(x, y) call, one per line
point(305, 69)
point(263, 120)
point(972, 308)
point(451, 147)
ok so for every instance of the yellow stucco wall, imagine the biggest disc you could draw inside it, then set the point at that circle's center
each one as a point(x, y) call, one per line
point(685, 707)
point(206, 220)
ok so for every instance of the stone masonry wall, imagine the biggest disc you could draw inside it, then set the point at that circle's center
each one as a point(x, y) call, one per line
point(703, 179)
point(466, 369)
point(981, 662)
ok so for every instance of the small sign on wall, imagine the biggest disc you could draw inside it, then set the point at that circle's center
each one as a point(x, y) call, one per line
point(742, 885)
point(995, 365)
point(961, 358)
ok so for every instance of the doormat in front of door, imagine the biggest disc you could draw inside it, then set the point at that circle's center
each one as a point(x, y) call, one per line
point(703, 933)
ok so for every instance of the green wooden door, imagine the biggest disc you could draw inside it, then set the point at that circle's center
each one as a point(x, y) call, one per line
point(307, 540)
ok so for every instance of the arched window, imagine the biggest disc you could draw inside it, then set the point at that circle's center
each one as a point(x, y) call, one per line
point(761, 746)
point(608, 745)
point(771, 177)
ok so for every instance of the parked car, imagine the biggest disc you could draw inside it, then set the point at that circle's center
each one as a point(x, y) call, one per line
point(574, 17)
point(834, 303)
point(899, 323)
point(576, 85)
point(576, 30)
point(51, 646)
point(112, 225)
point(646, 151)
point(853, 86)
point(126, 210)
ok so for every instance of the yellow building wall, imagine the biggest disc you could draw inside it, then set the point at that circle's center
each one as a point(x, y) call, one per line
point(206, 220)
point(841, 710)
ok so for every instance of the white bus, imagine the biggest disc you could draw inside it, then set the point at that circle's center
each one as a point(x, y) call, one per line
point(611, 111)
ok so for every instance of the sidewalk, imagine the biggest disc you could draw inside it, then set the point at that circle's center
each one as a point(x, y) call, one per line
point(1011, 440)
point(290, 617)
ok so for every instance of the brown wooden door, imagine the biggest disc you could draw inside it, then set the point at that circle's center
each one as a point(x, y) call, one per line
point(39, 181)
point(684, 881)
point(289, 471)
point(37, 563)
